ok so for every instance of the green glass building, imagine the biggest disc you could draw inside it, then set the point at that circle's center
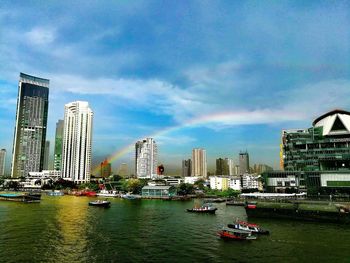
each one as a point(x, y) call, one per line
point(57, 164)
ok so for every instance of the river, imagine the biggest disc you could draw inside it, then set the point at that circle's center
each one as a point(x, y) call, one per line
point(66, 229)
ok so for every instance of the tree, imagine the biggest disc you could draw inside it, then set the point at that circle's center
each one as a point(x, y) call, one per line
point(13, 185)
point(200, 184)
point(185, 189)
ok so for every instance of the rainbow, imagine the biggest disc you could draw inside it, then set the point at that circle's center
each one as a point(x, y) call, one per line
point(217, 120)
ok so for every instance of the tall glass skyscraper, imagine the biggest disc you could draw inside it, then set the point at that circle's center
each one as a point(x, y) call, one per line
point(31, 121)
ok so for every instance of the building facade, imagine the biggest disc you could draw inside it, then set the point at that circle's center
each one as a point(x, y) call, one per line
point(2, 161)
point(31, 122)
point(219, 183)
point(77, 139)
point(57, 160)
point(199, 163)
point(105, 169)
point(123, 170)
point(315, 159)
point(230, 166)
point(47, 156)
point(222, 167)
point(146, 159)
point(186, 168)
point(243, 163)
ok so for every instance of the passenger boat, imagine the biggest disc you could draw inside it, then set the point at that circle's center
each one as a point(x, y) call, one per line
point(55, 193)
point(236, 234)
point(254, 228)
point(106, 193)
point(203, 209)
point(21, 197)
point(100, 203)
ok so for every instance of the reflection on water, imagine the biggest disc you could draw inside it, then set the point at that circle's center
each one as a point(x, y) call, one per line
point(66, 229)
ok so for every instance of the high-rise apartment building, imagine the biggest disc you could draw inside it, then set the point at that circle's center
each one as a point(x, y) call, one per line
point(57, 160)
point(146, 159)
point(230, 166)
point(243, 163)
point(31, 121)
point(123, 170)
point(105, 169)
point(186, 168)
point(222, 167)
point(199, 162)
point(2, 161)
point(76, 145)
point(46, 156)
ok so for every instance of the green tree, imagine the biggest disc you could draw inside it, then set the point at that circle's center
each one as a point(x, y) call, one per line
point(185, 189)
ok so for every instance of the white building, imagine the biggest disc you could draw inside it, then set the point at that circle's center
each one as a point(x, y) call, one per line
point(250, 181)
point(76, 145)
point(218, 183)
point(146, 159)
point(199, 163)
point(234, 182)
point(230, 166)
point(192, 179)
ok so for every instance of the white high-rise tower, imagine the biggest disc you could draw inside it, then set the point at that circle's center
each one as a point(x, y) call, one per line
point(146, 158)
point(76, 145)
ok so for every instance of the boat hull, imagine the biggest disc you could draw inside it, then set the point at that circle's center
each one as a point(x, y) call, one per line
point(204, 211)
point(25, 198)
point(104, 204)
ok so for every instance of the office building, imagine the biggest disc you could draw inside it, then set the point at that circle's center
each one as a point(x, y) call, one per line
point(316, 159)
point(57, 161)
point(105, 169)
point(46, 156)
point(76, 145)
point(30, 130)
point(230, 166)
point(199, 163)
point(222, 167)
point(243, 163)
point(186, 168)
point(146, 161)
point(2, 161)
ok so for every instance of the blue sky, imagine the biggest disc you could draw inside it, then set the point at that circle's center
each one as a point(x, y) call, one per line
point(258, 66)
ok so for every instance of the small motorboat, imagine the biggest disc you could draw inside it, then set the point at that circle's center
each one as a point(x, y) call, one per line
point(55, 193)
point(206, 209)
point(254, 228)
point(130, 196)
point(100, 203)
point(236, 234)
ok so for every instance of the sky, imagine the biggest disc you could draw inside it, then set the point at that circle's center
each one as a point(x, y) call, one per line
point(221, 75)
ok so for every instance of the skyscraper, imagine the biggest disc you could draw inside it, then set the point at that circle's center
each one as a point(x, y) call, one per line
point(222, 167)
point(123, 170)
point(46, 156)
point(30, 130)
point(77, 138)
point(186, 168)
point(243, 163)
point(146, 158)
point(105, 169)
point(2, 161)
point(230, 166)
point(199, 162)
point(57, 161)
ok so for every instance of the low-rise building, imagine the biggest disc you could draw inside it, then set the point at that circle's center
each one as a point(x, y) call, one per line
point(250, 181)
point(159, 191)
point(219, 183)
point(234, 182)
point(192, 179)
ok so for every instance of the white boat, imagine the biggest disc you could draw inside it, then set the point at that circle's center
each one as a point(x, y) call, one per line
point(130, 196)
point(55, 193)
point(106, 193)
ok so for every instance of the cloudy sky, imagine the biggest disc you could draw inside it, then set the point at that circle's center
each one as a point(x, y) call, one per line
point(222, 75)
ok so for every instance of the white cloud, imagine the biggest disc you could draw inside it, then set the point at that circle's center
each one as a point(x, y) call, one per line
point(41, 36)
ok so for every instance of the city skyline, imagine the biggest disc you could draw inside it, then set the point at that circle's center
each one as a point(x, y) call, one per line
point(158, 69)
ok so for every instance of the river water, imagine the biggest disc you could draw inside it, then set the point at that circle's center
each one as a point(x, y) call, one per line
point(66, 229)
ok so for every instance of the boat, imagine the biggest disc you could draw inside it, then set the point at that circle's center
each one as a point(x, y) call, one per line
point(254, 228)
point(206, 209)
point(90, 193)
point(55, 193)
point(236, 234)
point(130, 196)
point(21, 197)
point(100, 203)
point(106, 193)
